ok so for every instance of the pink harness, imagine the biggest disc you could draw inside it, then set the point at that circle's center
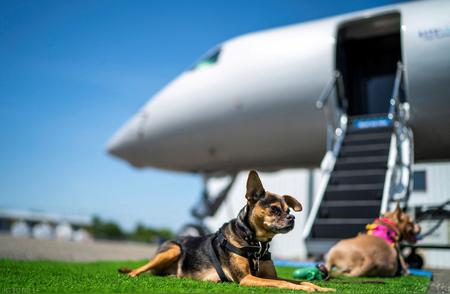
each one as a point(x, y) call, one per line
point(383, 231)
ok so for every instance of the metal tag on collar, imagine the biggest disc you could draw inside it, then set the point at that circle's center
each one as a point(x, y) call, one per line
point(257, 265)
point(256, 256)
point(266, 248)
point(260, 251)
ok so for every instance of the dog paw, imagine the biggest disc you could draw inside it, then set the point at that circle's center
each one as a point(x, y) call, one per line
point(326, 289)
point(317, 288)
point(304, 288)
point(133, 274)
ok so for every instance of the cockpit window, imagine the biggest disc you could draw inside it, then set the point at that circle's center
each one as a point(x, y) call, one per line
point(208, 60)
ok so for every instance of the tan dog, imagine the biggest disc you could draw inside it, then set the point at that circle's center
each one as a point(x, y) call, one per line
point(376, 252)
point(238, 252)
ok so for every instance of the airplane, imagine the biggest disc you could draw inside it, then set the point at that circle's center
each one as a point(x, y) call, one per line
point(381, 77)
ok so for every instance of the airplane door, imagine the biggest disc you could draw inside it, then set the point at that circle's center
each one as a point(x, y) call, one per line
point(367, 53)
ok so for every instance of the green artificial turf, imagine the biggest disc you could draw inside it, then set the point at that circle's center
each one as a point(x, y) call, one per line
point(52, 276)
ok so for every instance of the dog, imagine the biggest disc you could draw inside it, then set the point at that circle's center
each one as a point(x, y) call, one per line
point(238, 251)
point(375, 253)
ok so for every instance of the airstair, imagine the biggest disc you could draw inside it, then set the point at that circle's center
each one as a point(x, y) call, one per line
point(367, 167)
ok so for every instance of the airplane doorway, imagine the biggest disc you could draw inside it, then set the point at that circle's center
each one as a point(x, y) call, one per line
point(367, 53)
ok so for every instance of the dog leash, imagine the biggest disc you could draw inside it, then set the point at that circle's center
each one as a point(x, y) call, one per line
point(253, 254)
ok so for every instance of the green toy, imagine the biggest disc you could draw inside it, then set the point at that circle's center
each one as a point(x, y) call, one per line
point(318, 272)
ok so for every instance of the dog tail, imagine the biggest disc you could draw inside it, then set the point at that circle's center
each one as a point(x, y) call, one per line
point(124, 270)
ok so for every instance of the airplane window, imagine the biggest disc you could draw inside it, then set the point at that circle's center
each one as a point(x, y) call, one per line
point(420, 182)
point(208, 60)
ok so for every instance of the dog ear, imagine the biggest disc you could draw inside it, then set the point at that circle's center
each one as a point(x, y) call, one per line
point(398, 212)
point(293, 203)
point(255, 189)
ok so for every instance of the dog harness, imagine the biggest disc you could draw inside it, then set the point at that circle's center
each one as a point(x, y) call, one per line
point(255, 252)
point(379, 228)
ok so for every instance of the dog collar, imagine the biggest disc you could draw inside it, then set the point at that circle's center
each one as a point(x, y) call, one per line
point(243, 228)
point(387, 221)
point(383, 231)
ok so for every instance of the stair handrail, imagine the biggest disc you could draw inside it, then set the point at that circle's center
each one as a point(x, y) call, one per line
point(401, 164)
point(393, 113)
point(326, 92)
point(335, 137)
point(333, 130)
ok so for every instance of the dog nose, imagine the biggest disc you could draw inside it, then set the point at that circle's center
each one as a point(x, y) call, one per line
point(417, 229)
point(290, 217)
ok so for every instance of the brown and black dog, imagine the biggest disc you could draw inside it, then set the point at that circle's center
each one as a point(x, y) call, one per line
point(376, 252)
point(238, 252)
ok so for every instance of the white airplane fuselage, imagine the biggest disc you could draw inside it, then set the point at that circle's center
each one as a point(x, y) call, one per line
point(252, 105)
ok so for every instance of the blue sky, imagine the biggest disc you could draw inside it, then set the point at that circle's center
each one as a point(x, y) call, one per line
point(71, 72)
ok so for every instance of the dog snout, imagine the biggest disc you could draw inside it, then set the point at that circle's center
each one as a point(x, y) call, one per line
point(417, 229)
point(290, 218)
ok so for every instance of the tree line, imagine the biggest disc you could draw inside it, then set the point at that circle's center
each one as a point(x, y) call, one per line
point(101, 229)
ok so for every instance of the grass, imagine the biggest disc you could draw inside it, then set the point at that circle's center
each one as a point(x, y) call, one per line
point(52, 276)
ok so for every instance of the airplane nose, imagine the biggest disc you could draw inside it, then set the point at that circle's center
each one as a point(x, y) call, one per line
point(125, 141)
point(119, 143)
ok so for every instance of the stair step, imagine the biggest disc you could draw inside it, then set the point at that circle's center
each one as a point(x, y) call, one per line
point(357, 180)
point(351, 129)
point(364, 153)
point(356, 173)
point(366, 162)
point(340, 195)
point(358, 148)
point(364, 150)
point(364, 139)
point(352, 177)
point(343, 221)
point(365, 159)
point(355, 187)
point(371, 116)
point(349, 209)
point(339, 228)
point(355, 203)
point(367, 136)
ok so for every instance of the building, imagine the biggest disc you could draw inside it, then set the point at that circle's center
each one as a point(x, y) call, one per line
point(43, 225)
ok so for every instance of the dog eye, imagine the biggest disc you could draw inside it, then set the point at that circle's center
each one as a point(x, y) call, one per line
point(275, 210)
